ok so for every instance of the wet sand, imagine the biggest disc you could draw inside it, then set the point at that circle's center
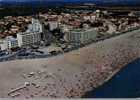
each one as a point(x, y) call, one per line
point(71, 74)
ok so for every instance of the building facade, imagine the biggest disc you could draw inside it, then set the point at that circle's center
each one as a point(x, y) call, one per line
point(35, 26)
point(81, 36)
point(9, 43)
point(32, 35)
point(12, 42)
point(25, 39)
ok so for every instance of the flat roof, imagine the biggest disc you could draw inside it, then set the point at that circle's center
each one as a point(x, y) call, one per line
point(83, 30)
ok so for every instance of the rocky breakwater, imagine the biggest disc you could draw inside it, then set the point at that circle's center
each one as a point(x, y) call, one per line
point(71, 74)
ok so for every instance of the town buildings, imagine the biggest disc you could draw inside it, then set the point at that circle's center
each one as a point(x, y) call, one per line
point(76, 27)
point(31, 36)
point(10, 25)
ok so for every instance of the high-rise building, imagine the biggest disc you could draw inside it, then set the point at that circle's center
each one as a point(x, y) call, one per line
point(32, 35)
point(26, 38)
point(35, 26)
point(81, 36)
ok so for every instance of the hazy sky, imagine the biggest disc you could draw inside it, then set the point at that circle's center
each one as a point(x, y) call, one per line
point(73, 0)
point(130, 2)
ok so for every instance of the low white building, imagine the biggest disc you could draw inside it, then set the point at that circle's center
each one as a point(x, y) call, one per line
point(98, 13)
point(3, 44)
point(111, 28)
point(26, 38)
point(53, 25)
point(12, 42)
point(87, 18)
point(9, 43)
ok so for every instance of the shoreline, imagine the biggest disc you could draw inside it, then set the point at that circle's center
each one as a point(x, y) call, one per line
point(72, 74)
point(100, 89)
point(109, 78)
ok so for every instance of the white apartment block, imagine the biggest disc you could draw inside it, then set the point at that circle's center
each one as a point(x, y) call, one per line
point(32, 35)
point(35, 26)
point(81, 36)
point(26, 38)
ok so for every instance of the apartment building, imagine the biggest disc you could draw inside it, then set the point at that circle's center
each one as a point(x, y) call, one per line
point(80, 35)
point(25, 38)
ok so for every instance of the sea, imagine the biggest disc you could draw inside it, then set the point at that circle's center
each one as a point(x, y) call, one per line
point(125, 84)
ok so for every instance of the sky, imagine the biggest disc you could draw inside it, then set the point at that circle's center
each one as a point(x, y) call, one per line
point(70, 0)
point(102, 2)
point(74, 0)
point(78, 0)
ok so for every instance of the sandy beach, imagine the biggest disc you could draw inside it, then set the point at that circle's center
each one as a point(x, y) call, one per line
point(71, 74)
